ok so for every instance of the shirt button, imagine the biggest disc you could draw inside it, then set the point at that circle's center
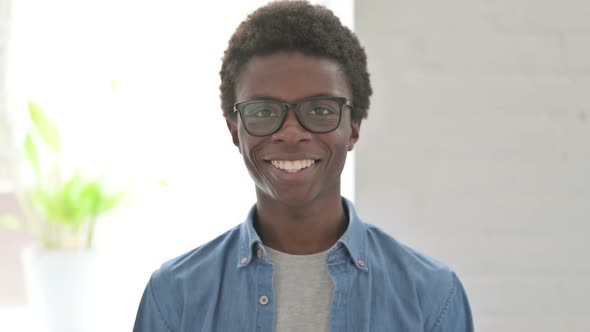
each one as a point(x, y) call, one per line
point(263, 300)
point(361, 262)
point(244, 260)
point(259, 253)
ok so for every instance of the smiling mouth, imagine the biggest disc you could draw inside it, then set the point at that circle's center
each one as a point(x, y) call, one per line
point(292, 166)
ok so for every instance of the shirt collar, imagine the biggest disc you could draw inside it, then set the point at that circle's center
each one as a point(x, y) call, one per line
point(248, 239)
point(353, 240)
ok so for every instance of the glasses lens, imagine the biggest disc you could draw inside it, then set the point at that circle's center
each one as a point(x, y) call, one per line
point(262, 117)
point(320, 115)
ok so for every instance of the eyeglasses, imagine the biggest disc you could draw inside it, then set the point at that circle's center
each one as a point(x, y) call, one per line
point(264, 117)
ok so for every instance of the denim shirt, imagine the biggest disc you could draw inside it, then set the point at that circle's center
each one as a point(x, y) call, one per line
point(379, 285)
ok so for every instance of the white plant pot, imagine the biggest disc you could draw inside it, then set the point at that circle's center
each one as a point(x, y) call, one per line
point(61, 286)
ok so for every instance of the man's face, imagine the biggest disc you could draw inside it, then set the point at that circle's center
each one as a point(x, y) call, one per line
point(280, 163)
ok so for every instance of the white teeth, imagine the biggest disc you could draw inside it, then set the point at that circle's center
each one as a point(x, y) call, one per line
point(292, 166)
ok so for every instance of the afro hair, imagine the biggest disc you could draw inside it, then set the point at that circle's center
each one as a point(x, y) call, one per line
point(296, 26)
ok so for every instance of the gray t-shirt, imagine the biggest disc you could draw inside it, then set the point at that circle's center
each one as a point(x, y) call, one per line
point(303, 291)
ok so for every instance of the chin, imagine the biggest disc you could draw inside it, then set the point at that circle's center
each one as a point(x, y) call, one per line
point(288, 198)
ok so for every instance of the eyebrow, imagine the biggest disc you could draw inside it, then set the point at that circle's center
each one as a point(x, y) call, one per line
point(266, 97)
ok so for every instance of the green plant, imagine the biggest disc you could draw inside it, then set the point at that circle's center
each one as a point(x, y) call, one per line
point(60, 210)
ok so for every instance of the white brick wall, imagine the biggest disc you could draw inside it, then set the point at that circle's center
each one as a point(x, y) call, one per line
point(477, 149)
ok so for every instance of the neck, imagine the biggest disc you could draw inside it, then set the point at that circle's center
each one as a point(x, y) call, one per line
point(300, 230)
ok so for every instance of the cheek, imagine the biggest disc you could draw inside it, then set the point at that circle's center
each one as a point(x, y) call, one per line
point(338, 144)
point(248, 147)
point(341, 140)
point(244, 141)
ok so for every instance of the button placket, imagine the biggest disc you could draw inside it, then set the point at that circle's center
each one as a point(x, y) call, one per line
point(265, 310)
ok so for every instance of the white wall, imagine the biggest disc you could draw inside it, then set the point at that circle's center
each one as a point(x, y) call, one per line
point(477, 149)
point(6, 150)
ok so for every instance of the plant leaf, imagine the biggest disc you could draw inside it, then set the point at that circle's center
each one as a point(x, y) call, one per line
point(162, 182)
point(90, 198)
point(114, 86)
point(111, 201)
point(45, 128)
point(31, 152)
point(9, 221)
point(47, 202)
point(76, 206)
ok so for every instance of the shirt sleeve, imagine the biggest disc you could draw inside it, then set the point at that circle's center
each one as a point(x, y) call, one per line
point(456, 313)
point(149, 316)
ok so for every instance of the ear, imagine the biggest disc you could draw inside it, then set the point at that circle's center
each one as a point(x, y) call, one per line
point(232, 125)
point(355, 126)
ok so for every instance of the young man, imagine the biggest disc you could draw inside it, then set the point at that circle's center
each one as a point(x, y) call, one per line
point(294, 90)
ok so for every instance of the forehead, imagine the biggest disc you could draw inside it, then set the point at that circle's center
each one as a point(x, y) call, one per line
point(291, 76)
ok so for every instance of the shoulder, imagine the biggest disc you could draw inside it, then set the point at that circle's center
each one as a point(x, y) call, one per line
point(387, 251)
point(209, 254)
point(430, 282)
point(193, 271)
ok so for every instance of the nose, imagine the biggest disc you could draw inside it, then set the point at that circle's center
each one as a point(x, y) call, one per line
point(291, 131)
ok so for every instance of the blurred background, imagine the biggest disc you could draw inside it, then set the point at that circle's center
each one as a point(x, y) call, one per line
point(476, 150)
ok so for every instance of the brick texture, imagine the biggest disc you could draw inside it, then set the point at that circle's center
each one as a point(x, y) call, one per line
point(477, 149)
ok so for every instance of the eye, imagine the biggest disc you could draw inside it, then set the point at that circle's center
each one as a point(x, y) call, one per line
point(320, 110)
point(263, 113)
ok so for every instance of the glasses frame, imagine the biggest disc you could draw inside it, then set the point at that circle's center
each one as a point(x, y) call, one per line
point(286, 107)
